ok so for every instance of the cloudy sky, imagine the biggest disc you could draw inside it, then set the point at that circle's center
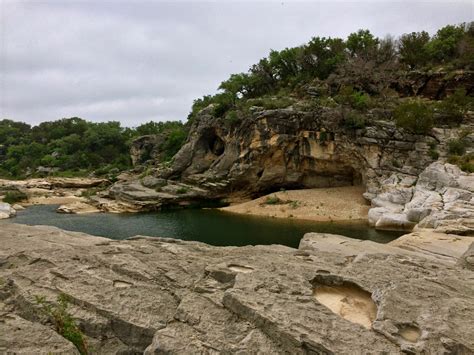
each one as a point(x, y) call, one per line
point(136, 61)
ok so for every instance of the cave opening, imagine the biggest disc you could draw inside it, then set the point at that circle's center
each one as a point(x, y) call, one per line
point(211, 142)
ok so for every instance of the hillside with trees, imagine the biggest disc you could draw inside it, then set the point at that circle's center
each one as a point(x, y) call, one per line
point(355, 75)
point(361, 76)
point(75, 147)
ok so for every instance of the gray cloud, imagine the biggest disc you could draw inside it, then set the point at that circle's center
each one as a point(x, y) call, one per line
point(136, 61)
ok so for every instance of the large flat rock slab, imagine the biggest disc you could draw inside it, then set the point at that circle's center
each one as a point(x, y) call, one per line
point(157, 295)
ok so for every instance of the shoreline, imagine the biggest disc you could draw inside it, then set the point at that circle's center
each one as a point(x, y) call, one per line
point(337, 204)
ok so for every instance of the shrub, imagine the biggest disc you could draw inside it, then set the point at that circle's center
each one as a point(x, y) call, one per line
point(453, 108)
point(433, 153)
point(182, 190)
point(63, 321)
point(231, 118)
point(415, 116)
point(457, 146)
point(354, 121)
point(12, 197)
point(273, 200)
point(465, 162)
point(272, 103)
point(353, 98)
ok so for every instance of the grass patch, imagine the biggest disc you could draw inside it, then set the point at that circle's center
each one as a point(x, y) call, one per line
point(464, 162)
point(12, 197)
point(63, 322)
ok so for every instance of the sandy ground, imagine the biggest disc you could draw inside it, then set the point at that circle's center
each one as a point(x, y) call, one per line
point(52, 200)
point(325, 204)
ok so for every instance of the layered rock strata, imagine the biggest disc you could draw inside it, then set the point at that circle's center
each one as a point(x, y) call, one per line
point(154, 295)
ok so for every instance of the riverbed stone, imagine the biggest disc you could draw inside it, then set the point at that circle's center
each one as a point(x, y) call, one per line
point(158, 295)
point(6, 210)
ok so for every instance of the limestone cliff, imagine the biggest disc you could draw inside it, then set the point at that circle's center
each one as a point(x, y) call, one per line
point(303, 146)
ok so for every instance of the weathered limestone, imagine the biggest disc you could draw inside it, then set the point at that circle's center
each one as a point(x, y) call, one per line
point(442, 198)
point(6, 210)
point(332, 295)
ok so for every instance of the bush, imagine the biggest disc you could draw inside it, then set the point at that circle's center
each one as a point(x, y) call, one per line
point(12, 197)
point(231, 118)
point(433, 153)
point(353, 98)
point(415, 116)
point(354, 121)
point(272, 103)
point(62, 320)
point(454, 107)
point(273, 200)
point(182, 190)
point(465, 162)
point(457, 146)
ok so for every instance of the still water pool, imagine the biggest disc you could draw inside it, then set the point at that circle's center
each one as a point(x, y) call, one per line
point(205, 225)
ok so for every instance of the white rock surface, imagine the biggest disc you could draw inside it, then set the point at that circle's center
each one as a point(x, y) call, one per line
point(6, 210)
point(443, 197)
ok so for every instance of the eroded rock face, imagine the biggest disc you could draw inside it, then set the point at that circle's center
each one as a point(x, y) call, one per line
point(157, 295)
point(147, 148)
point(442, 197)
point(289, 148)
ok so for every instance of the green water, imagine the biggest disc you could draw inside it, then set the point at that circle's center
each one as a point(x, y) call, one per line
point(208, 226)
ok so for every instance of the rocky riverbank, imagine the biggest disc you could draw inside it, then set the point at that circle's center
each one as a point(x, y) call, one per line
point(332, 295)
point(71, 193)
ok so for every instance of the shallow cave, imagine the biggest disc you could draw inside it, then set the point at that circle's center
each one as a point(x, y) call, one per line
point(311, 178)
point(211, 142)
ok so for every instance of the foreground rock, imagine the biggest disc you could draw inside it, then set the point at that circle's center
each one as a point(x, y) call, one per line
point(154, 295)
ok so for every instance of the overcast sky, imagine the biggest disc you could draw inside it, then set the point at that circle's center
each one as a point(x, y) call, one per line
point(136, 61)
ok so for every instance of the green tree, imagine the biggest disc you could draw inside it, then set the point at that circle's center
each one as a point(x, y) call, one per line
point(413, 49)
point(362, 44)
point(444, 44)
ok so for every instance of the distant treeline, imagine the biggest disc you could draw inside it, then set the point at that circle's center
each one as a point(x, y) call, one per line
point(74, 147)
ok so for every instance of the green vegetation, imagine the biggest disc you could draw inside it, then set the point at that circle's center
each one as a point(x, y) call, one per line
point(457, 146)
point(273, 200)
point(453, 108)
point(357, 75)
point(366, 65)
point(354, 120)
point(12, 197)
point(433, 152)
point(459, 152)
point(414, 116)
point(74, 147)
point(64, 323)
point(182, 190)
point(464, 162)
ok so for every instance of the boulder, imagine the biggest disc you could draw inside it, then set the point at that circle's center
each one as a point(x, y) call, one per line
point(394, 221)
point(6, 210)
point(77, 208)
point(441, 199)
